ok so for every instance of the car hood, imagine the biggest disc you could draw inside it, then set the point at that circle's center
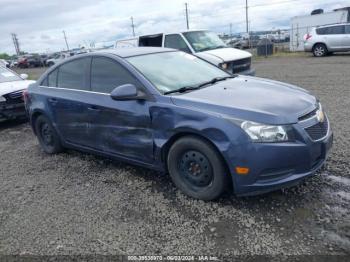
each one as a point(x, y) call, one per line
point(251, 98)
point(220, 55)
point(13, 86)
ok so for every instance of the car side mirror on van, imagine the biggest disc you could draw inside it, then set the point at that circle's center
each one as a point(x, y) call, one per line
point(127, 92)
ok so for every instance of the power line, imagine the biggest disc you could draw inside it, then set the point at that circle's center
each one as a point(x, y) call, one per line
point(188, 27)
point(133, 26)
point(65, 39)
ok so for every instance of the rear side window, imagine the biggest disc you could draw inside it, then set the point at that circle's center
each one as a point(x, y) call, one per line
point(332, 30)
point(107, 74)
point(177, 42)
point(73, 75)
point(347, 29)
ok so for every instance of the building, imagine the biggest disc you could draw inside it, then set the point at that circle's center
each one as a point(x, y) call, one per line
point(301, 25)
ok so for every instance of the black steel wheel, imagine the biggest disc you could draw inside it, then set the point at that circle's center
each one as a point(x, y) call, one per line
point(197, 168)
point(47, 136)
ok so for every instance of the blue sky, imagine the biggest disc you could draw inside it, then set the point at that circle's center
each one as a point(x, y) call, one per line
point(39, 23)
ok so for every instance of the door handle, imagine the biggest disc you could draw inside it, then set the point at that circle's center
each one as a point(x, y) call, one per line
point(53, 100)
point(94, 108)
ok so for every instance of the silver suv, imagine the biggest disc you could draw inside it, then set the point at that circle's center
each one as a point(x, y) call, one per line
point(328, 39)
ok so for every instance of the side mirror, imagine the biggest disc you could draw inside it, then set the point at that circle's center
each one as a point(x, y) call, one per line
point(23, 76)
point(127, 92)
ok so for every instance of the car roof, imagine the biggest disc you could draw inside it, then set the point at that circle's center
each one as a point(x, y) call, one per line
point(134, 51)
point(335, 24)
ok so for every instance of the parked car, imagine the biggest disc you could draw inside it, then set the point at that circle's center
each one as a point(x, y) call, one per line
point(328, 39)
point(34, 61)
point(56, 59)
point(171, 111)
point(201, 43)
point(11, 89)
point(4, 63)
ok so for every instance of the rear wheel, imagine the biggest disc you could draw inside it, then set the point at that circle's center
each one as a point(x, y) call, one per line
point(320, 50)
point(197, 169)
point(47, 135)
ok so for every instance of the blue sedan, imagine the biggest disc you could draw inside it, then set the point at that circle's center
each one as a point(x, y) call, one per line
point(173, 112)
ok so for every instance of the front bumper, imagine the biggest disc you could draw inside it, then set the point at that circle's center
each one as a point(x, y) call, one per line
point(277, 165)
point(12, 111)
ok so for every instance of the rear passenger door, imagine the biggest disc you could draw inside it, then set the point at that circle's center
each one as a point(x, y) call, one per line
point(347, 37)
point(69, 106)
point(334, 37)
point(122, 128)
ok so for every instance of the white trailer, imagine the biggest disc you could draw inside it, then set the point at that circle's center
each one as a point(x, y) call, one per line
point(301, 25)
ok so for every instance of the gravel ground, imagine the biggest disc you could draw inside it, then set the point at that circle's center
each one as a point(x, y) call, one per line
point(73, 203)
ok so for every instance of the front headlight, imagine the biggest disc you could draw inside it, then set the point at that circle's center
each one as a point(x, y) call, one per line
point(265, 133)
point(2, 99)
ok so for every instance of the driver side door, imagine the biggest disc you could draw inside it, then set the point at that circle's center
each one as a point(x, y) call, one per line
point(121, 128)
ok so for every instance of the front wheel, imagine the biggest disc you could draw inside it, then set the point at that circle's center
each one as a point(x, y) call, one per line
point(319, 50)
point(47, 135)
point(197, 169)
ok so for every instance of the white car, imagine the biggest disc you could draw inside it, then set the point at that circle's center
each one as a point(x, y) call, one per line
point(12, 86)
point(58, 58)
point(4, 63)
point(201, 43)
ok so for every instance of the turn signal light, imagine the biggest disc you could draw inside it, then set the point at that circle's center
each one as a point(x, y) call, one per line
point(242, 170)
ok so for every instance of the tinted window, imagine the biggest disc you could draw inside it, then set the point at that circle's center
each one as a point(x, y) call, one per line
point(72, 75)
point(177, 42)
point(332, 30)
point(107, 74)
point(52, 78)
point(347, 29)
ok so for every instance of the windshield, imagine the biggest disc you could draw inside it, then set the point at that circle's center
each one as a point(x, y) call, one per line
point(204, 40)
point(8, 76)
point(172, 70)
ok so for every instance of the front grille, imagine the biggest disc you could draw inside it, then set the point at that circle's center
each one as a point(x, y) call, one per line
point(240, 65)
point(14, 97)
point(318, 131)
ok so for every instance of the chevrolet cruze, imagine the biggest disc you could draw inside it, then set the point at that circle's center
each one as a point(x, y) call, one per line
point(173, 112)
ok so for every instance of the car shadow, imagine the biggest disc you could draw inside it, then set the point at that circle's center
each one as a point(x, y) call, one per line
point(7, 124)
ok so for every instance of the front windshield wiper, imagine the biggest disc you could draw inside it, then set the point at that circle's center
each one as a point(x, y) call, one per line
point(182, 89)
point(190, 88)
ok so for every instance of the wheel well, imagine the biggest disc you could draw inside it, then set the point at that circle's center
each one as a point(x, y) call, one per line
point(319, 43)
point(33, 119)
point(165, 149)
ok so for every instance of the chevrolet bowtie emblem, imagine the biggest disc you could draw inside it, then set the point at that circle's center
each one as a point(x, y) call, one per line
point(320, 116)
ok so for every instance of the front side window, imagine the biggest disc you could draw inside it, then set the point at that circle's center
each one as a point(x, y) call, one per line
point(73, 75)
point(172, 70)
point(52, 78)
point(107, 74)
point(204, 40)
point(177, 42)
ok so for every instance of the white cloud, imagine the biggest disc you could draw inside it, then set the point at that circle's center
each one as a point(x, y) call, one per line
point(39, 23)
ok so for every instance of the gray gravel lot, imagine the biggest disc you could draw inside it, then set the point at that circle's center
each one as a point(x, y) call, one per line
point(73, 203)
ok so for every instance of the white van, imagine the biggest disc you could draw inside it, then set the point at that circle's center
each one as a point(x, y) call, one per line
point(202, 43)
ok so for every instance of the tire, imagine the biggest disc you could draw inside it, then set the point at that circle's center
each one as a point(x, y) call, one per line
point(197, 169)
point(47, 136)
point(319, 50)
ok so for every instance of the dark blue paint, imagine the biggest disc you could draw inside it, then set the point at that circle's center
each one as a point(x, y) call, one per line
point(139, 131)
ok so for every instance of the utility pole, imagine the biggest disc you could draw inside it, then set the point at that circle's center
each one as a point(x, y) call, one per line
point(246, 15)
point(231, 31)
point(132, 26)
point(16, 44)
point(186, 8)
point(65, 39)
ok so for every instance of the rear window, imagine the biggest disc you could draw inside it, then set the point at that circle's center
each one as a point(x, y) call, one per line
point(332, 30)
point(73, 75)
